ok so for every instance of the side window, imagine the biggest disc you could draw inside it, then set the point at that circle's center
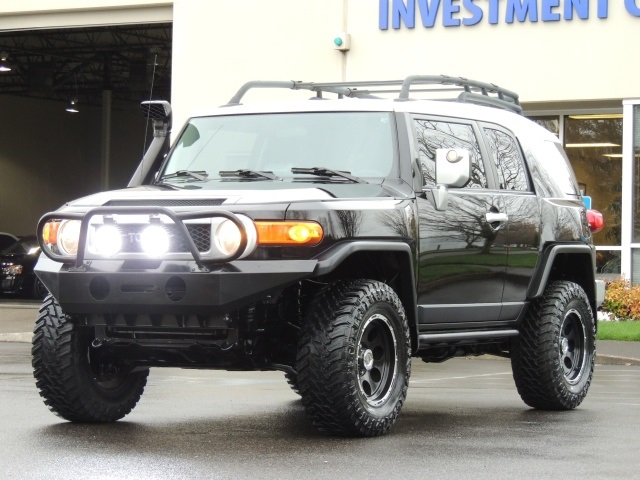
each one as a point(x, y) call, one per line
point(432, 135)
point(508, 160)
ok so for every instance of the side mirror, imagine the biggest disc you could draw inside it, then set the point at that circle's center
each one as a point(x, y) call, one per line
point(453, 169)
point(156, 109)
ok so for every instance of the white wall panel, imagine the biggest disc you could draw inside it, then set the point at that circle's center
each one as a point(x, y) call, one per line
point(220, 44)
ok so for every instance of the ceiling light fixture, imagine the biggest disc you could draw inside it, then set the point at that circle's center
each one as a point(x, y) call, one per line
point(617, 155)
point(597, 116)
point(591, 145)
point(4, 65)
point(72, 107)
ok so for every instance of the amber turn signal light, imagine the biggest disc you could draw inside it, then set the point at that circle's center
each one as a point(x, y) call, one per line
point(50, 233)
point(289, 233)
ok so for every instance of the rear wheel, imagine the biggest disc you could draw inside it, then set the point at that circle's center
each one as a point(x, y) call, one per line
point(78, 382)
point(554, 356)
point(354, 359)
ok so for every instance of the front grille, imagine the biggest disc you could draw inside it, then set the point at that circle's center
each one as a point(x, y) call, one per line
point(206, 202)
point(200, 233)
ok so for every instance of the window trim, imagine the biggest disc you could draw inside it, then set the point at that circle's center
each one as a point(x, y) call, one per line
point(490, 171)
point(500, 128)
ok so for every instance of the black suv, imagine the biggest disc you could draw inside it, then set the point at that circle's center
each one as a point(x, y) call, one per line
point(332, 239)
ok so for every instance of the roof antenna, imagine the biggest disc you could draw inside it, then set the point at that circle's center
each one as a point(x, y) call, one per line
point(146, 127)
point(153, 79)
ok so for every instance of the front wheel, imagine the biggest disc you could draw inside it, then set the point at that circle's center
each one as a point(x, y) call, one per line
point(554, 356)
point(77, 381)
point(354, 358)
point(39, 291)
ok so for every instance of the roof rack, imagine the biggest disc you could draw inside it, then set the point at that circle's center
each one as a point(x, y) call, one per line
point(471, 91)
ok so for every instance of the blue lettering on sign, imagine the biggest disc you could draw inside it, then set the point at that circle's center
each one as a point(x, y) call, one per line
point(632, 7)
point(402, 11)
point(522, 8)
point(546, 12)
point(474, 10)
point(428, 12)
point(449, 9)
point(581, 7)
point(603, 8)
point(493, 11)
point(453, 13)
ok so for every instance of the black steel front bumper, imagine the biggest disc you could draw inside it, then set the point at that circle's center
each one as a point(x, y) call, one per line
point(172, 288)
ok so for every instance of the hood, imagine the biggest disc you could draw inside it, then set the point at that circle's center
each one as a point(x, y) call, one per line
point(15, 257)
point(242, 193)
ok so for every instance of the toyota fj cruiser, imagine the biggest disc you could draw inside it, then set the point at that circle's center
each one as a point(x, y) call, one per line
point(332, 239)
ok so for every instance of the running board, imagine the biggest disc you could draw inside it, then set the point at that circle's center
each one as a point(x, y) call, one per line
point(452, 338)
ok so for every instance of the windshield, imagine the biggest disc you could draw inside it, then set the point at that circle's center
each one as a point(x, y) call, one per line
point(360, 143)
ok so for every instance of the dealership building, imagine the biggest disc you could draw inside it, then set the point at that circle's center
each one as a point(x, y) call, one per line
point(72, 73)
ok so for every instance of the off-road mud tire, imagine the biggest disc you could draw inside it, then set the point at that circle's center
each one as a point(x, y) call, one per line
point(554, 356)
point(65, 377)
point(354, 358)
point(292, 381)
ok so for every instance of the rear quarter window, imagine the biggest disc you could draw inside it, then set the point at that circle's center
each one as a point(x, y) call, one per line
point(550, 169)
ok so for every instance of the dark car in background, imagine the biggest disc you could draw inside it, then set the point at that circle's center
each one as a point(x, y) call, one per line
point(16, 269)
point(6, 240)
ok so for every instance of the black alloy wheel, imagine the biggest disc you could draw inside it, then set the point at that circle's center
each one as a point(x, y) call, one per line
point(553, 358)
point(354, 358)
point(75, 375)
point(377, 360)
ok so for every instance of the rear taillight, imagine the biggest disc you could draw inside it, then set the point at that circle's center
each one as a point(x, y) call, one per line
point(596, 220)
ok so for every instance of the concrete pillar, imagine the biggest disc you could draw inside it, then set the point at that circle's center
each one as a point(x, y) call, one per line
point(106, 139)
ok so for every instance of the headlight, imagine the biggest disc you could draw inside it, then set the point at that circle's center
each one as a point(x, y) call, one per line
point(155, 241)
point(12, 270)
point(107, 240)
point(68, 235)
point(228, 237)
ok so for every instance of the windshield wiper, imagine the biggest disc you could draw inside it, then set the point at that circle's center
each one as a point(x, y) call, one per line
point(245, 173)
point(200, 175)
point(327, 172)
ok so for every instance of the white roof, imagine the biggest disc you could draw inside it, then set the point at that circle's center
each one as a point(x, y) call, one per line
point(510, 120)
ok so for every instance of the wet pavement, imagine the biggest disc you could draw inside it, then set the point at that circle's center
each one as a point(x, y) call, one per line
point(463, 419)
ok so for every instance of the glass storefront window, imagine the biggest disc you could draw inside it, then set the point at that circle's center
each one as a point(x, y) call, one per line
point(594, 146)
point(635, 266)
point(550, 123)
point(608, 264)
point(636, 174)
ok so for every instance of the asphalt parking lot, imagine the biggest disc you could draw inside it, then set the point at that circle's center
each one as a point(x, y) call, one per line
point(463, 419)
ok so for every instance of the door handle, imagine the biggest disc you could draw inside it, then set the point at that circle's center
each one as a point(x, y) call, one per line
point(495, 217)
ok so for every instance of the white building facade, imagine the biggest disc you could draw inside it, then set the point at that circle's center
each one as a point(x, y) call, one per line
point(571, 61)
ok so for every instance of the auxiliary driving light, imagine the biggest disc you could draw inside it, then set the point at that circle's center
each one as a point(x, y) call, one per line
point(228, 237)
point(155, 241)
point(107, 240)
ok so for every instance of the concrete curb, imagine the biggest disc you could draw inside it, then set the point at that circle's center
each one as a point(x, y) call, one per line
point(613, 360)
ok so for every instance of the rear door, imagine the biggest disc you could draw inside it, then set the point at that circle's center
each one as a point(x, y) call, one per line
point(523, 210)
